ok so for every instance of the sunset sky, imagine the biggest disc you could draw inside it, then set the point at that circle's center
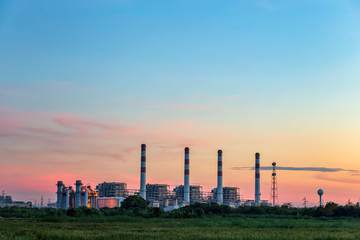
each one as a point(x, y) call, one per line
point(84, 83)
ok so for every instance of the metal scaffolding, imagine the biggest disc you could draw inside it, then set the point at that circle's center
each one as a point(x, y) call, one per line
point(112, 189)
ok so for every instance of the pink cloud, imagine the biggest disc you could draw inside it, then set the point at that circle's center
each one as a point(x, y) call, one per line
point(69, 146)
point(15, 121)
point(81, 125)
point(32, 137)
point(84, 126)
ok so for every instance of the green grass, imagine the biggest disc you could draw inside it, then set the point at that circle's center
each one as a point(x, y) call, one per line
point(121, 227)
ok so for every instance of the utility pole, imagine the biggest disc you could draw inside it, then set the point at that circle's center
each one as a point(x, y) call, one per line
point(304, 202)
point(274, 195)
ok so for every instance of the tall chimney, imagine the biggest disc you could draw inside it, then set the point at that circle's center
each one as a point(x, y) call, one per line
point(219, 189)
point(186, 177)
point(78, 185)
point(59, 194)
point(143, 172)
point(65, 200)
point(86, 198)
point(257, 179)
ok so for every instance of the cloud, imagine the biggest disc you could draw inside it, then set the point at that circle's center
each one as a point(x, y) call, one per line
point(57, 137)
point(68, 153)
point(37, 143)
point(80, 123)
point(342, 180)
point(84, 125)
point(16, 122)
point(305, 169)
point(26, 134)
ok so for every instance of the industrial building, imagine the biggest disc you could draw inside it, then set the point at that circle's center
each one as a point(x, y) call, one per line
point(6, 201)
point(157, 191)
point(195, 193)
point(159, 195)
point(111, 194)
point(4, 198)
point(229, 195)
point(112, 189)
point(84, 196)
point(51, 205)
point(252, 203)
point(109, 202)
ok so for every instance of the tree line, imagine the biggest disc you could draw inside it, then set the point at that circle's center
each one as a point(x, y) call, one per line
point(138, 207)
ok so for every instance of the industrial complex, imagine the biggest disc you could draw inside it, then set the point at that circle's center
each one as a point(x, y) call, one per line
point(111, 194)
point(6, 201)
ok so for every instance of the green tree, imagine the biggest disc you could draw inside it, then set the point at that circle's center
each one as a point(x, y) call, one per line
point(135, 203)
point(330, 208)
point(287, 205)
point(156, 212)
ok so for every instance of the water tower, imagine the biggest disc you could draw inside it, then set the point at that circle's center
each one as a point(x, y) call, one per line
point(320, 192)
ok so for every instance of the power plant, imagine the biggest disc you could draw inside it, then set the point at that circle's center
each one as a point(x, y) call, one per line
point(68, 198)
point(111, 194)
point(7, 201)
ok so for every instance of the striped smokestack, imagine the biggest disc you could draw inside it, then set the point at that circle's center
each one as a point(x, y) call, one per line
point(143, 172)
point(219, 189)
point(186, 176)
point(257, 179)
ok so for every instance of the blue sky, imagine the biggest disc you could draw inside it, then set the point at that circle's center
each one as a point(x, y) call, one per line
point(220, 71)
point(130, 53)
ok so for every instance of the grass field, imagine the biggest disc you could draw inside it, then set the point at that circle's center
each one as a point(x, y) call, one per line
point(121, 227)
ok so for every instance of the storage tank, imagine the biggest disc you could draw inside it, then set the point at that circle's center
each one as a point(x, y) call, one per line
point(109, 202)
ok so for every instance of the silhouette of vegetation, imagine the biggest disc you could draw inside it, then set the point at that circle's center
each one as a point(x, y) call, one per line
point(135, 203)
point(135, 220)
point(135, 206)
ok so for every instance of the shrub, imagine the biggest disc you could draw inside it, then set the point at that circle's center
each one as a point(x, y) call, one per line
point(135, 202)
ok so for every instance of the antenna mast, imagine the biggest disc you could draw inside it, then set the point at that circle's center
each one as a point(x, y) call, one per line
point(274, 192)
point(305, 202)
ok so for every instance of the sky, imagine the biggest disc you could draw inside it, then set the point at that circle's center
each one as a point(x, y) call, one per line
point(84, 83)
